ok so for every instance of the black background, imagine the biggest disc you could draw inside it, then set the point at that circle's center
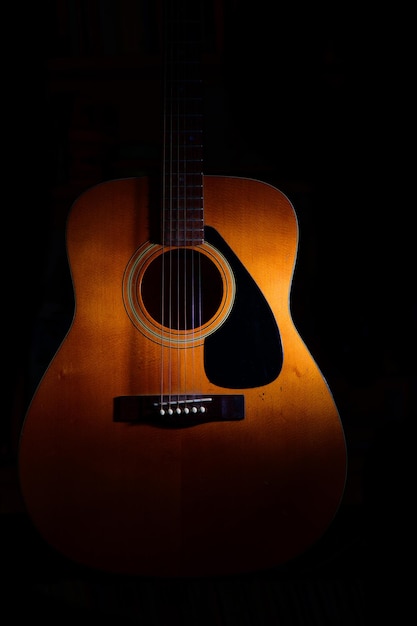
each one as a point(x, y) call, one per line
point(316, 100)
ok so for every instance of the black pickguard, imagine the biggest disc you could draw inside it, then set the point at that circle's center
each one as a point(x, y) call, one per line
point(246, 351)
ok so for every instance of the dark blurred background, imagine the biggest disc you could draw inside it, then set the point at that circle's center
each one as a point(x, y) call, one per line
point(313, 98)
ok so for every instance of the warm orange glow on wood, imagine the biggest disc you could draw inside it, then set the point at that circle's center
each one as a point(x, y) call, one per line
point(211, 499)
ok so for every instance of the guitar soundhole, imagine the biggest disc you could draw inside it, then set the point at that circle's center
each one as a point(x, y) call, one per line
point(182, 289)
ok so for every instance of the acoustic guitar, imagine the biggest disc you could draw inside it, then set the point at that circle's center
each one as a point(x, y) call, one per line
point(182, 427)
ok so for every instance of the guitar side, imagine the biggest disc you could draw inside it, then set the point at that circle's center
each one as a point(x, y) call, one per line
point(214, 498)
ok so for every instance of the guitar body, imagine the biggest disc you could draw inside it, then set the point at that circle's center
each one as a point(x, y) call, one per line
point(129, 495)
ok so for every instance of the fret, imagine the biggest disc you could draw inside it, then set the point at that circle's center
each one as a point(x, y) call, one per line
point(193, 152)
point(188, 161)
point(192, 239)
point(182, 193)
point(174, 222)
point(189, 199)
point(181, 167)
point(185, 193)
point(181, 233)
point(193, 212)
point(186, 112)
point(190, 178)
point(186, 143)
point(184, 185)
point(185, 139)
point(186, 115)
point(177, 219)
point(177, 124)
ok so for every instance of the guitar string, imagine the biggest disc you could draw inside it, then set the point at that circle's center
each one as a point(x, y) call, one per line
point(200, 224)
point(181, 124)
point(166, 206)
point(179, 147)
point(189, 253)
point(197, 191)
point(180, 182)
point(180, 202)
point(181, 192)
point(193, 142)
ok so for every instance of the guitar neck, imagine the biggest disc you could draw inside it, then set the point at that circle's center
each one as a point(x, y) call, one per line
point(182, 202)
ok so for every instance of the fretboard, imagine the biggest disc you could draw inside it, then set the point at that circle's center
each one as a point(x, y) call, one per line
point(182, 210)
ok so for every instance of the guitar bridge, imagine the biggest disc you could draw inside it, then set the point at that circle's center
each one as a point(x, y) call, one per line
point(178, 411)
